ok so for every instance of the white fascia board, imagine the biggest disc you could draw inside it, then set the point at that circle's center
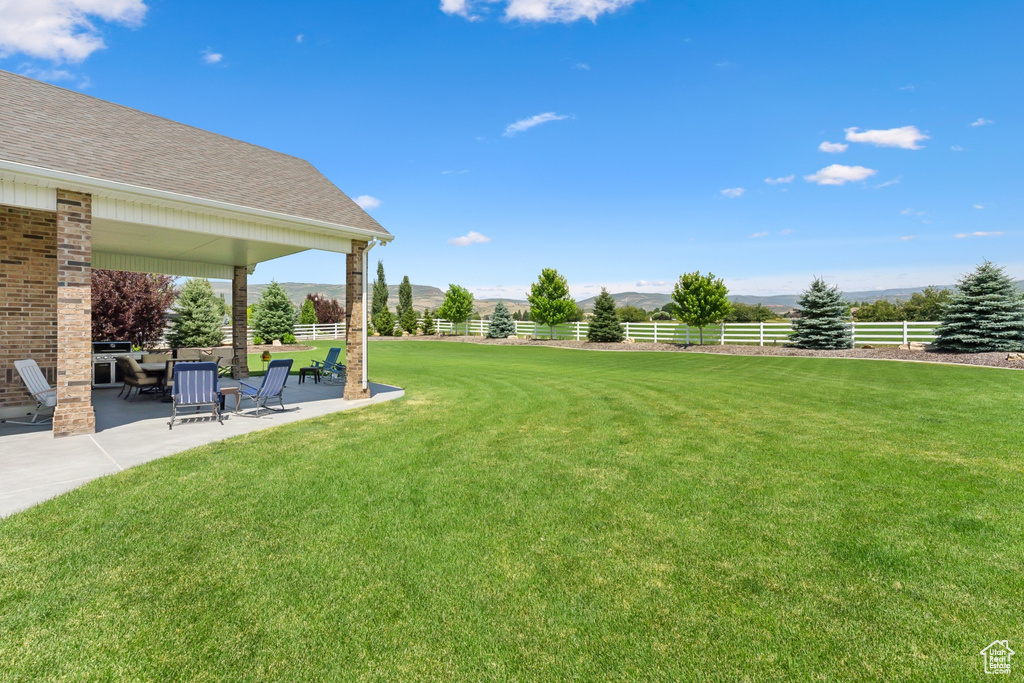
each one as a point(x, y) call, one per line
point(35, 175)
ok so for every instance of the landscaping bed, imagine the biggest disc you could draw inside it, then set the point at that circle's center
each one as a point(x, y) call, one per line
point(996, 359)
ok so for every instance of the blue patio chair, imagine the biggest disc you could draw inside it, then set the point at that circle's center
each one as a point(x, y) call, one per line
point(335, 371)
point(272, 387)
point(195, 386)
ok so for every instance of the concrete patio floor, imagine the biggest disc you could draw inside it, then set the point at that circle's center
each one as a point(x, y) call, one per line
point(35, 467)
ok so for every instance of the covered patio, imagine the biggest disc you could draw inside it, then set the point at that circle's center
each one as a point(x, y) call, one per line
point(86, 183)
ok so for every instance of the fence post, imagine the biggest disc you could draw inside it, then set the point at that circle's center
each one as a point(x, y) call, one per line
point(762, 333)
point(627, 331)
point(655, 333)
point(687, 334)
point(577, 330)
point(853, 331)
point(906, 339)
point(722, 338)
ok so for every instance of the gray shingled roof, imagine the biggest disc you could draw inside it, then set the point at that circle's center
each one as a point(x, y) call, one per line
point(50, 127)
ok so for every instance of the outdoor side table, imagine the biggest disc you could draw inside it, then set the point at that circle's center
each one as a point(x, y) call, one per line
point(312, 370)
point(230, 391)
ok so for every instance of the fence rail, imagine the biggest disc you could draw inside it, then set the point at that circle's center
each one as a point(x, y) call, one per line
point(761, 334)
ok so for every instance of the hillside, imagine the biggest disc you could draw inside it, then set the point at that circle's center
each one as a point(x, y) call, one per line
point(426, 296)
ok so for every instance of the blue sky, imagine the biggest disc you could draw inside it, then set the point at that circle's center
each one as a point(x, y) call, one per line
point(622, 142)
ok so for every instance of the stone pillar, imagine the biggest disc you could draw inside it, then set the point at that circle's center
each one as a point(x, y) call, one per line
point(239, 323)
point(74, 413)
point(355, 322)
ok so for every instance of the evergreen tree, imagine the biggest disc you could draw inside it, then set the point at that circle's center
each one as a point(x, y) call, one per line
point(307, 316)
point(404, 298)
point(605, 325)
point(985, 313)
point(457, 306)
point(197, 319)
point(275, 315)
point(407, 321)
point(824, 321)
point(427, 326)
point(382, 319)
point(550, 302)
point(701, 300)
point(502, 325)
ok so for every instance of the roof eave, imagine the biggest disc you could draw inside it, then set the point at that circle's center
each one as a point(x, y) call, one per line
point(82, 183)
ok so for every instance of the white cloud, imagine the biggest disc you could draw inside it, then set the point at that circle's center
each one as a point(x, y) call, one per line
point(833, 147)
point(911, 212)
point(756, 235)
point(887, 183)
point(536, 10)
point(654, 283)
point(211, 57)
point(982, 122)
point(787, 231)
point(782, 180)
point(455, 172)
point(958, 148)
point(906, 137)
point(962, 235)
point(61, 30)
point(837, 174)
point(978, 206)
point(472, 237)
point(582, 66)
point(907, 238)
point(299, 38)
point(527, 124)
point(366, 202)
point(733, 192)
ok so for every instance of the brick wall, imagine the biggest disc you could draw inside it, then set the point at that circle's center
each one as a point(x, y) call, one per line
point(28, 297)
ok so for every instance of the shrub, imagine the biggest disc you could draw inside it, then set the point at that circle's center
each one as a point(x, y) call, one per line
point(984, 314)
point(427, 326)
point(407, 321)
point(257, 340)
point(384, 323)
point(824, 321)
point(288, 339)
point(631, 314)
point(605, 325)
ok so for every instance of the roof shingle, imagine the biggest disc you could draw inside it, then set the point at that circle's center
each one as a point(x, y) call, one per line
point(53, 128)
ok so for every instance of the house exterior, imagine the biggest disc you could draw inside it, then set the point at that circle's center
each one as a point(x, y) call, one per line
point(87, 183)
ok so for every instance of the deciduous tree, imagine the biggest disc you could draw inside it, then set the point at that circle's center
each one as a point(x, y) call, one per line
point(701, 300)
point(130, 306)
point(457, 306)
point(550, 302)
point(328, 311)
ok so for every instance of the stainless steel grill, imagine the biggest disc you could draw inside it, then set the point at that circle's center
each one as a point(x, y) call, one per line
point(105, 372)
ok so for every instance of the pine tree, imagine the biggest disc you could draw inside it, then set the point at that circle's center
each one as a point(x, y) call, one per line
point(275, 315)
point(427, 326)
point(605, 325)
point(985, 313)
point(407, 321)
point(502, 325)
point(382, 319)
point(307, 316)
point(404, 297)
point(197, 320)
point(824, 321)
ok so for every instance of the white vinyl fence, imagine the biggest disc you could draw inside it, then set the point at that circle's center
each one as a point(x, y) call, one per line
point(761, 334)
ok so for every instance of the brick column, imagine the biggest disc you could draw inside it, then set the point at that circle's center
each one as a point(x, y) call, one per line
point(74, 413)
point(355, 322)
point(239, 324)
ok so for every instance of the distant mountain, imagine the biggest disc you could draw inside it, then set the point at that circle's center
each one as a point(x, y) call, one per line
point(426, 296)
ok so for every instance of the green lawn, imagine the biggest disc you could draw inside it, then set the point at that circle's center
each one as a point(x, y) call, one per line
point(537, 514)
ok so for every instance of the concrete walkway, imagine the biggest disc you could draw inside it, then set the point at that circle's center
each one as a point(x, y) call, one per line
point(35, 467)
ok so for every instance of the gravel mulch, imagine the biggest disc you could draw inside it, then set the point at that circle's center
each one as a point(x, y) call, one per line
point(992, 359)
point(280, 349)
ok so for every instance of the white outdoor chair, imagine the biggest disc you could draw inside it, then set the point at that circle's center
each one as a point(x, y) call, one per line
point(44, 395)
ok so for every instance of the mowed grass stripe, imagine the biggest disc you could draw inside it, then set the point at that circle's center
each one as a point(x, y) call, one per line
point(536, 514)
